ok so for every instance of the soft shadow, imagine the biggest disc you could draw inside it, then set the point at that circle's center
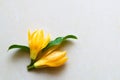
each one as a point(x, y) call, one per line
point(66, 44)
point(20, 54)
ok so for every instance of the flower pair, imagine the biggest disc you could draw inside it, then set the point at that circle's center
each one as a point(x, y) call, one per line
point(43, 51)
point(51, 57)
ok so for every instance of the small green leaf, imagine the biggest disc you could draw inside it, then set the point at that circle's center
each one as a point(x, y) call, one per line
point(19, 46)
point(58, 41)
point(70, 36)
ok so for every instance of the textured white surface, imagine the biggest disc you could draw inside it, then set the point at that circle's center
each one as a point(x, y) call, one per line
point(94, 56)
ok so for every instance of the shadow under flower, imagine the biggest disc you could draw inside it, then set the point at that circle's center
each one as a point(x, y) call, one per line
point(20, 54)
point(66, 45)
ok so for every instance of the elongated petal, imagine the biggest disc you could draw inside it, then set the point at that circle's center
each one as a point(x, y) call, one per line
point(46, 41)
point(57, 63)
point(49, 51)
point(33, 34)
point(32, 39)
point(56, 55)
point(40, 39)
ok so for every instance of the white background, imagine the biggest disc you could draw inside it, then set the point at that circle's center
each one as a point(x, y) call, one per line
point(96, 23)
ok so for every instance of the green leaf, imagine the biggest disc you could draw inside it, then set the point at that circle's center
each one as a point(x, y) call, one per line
point(19, 46)
point(59, 40)
point(70, 36)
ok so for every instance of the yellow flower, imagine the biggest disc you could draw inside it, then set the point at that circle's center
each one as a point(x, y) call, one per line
point(37, 42)
point(54, 59)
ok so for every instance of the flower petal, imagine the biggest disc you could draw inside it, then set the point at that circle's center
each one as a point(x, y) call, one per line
point(46, 41)
point(58, 63)
point(54, 56)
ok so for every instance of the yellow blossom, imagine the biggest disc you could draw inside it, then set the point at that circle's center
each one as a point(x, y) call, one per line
point(37, 42)
point(54, 59)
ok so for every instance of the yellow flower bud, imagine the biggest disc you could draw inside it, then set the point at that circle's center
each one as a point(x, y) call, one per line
point(54, 59)
point(37, 42)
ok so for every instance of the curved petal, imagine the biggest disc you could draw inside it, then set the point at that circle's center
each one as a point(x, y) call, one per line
point(58, 63)
point(54, 56)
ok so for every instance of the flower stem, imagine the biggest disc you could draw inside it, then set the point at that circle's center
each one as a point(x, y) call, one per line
point(30, 67)
point(31, 63)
